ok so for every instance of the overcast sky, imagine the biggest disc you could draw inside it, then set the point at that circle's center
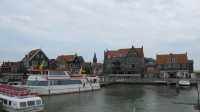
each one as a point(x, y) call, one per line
point(88, 26)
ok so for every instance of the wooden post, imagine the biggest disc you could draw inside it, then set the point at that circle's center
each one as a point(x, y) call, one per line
point(198, 93)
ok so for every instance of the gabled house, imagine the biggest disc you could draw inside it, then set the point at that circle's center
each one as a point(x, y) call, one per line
point(11, 67)
point(174, 65)
point(52, 64)
point(151, 69)
point(70, 63)
point(35, 59)
point(124, 61)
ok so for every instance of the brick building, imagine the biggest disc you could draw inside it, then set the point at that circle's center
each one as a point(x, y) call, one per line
point(11, 67)
point(124, 61)
point(151, 69)
point(71, 63)
point(174, 65)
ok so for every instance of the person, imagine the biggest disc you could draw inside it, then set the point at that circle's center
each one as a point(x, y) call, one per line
point(24, 77)
point(95, 80)
point(83, 84)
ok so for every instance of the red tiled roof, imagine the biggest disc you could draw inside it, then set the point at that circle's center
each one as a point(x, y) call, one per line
point(165, 58)
point(124, 52)
point(66, 57)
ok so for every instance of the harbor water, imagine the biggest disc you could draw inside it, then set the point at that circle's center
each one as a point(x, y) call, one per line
point(125, 98)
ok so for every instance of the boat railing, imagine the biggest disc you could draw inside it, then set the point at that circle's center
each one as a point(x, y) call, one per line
point(15, 91)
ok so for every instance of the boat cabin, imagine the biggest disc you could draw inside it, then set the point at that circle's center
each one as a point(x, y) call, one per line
point(14, 99)
point(17, 103)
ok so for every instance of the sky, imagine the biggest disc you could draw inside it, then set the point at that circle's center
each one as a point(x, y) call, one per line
point(87, 26)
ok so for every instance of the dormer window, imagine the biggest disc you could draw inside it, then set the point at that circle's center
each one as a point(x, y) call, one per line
point(135, 54)
point(172, 59)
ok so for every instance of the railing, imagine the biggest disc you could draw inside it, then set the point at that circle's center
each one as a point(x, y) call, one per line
point(14, 91)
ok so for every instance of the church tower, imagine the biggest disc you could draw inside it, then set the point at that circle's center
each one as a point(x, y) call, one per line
point(95, 58)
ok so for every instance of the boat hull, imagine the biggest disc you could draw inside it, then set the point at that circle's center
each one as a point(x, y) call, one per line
point(63, 89)
point(30, 109)
point(184, 83)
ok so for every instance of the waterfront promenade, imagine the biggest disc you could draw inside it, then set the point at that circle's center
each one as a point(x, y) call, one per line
point(106, 80)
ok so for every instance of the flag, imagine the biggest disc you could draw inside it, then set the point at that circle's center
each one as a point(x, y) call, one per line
point(42, 65)
point(82, 71)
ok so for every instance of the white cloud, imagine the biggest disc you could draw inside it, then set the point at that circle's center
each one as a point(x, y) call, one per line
point(159, 25)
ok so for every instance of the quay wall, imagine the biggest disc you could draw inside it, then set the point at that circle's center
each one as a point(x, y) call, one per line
point(110, 80)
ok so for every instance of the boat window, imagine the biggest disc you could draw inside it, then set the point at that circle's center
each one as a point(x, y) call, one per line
point(37, 83)
point(66, 82)
point(9, 103)
point(38, 102)
point(31, 103)
point(56, 73)
point(23, 104)
point(51, 82)
point(5, 101)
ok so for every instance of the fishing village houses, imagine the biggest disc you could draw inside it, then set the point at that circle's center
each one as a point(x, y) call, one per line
point(36, 61)
point(121, 64)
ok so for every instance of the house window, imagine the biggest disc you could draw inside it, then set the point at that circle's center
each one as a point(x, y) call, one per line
point(159, 66)
point(172, 59)
point(33, 62)
point(169, 65)
point(134, 54)
point(133, 66)
point(183, 66)
point(41, 56)
point(173, 65)
point(165, 66)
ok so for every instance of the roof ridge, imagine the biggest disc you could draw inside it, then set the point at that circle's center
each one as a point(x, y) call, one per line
point(171, 53)
point(36, 51)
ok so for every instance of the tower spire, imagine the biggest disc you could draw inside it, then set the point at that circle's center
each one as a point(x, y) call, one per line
point(95, 58)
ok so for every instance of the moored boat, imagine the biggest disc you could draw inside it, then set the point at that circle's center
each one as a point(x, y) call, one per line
point(184, 82)
point(15, 99)
point(60, 82)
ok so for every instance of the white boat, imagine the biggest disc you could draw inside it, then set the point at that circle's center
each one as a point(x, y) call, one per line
point(19, 100)
point(59, 82)
point(184, 82)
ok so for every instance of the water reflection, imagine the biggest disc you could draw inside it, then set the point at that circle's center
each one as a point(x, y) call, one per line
point(125, 98)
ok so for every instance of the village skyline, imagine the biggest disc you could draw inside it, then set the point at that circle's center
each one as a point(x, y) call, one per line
point(100, 59)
